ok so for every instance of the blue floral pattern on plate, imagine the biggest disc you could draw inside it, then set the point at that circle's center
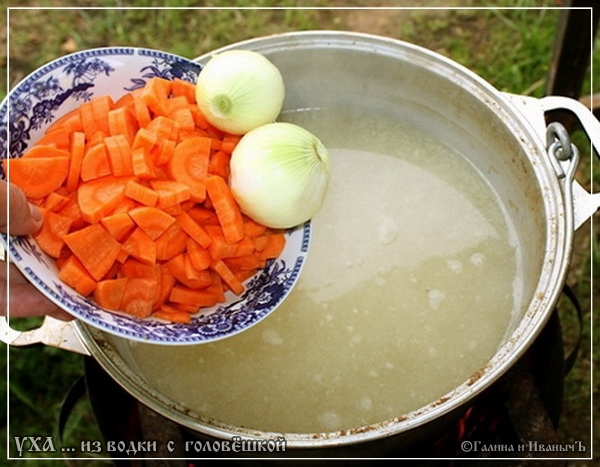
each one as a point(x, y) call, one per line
point(62, 86)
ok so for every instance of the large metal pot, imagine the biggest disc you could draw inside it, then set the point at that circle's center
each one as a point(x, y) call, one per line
point(505, 137)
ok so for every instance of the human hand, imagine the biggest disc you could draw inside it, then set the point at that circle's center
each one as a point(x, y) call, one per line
point(15, 290)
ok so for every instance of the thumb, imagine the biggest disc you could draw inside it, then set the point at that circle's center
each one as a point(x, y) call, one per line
point(23, 218)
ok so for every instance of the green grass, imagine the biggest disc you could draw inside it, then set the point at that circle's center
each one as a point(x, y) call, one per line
point(509, 48)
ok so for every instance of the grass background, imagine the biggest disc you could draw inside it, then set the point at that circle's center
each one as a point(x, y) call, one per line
point(510, 48)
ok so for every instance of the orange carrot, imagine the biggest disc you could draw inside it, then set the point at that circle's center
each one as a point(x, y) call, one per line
point(95, 163)
point(170, 193)
point(189, 165)
point(140, 246)
point(172, 315)
point(98, 198)
point(119, 155)
point(50, 236)
point(219, 164)
point(200, 257)
point(196, 298)
point(151, 220)
point(183, 88)
point(109, 293)
point(141, 111)
point(119, 225)
point(77, 153)
point(141, 193)
point(138, 297)
point(271, 246)
point(230, 279)
point(155, 94)
point(74, 274)
point(193, 229)
point(39, 176)
point(121, 122)
point(70, 121)
point(226, 208)
point(171, 243)
point(166, 150)
point(55, 201)
point(86, 244)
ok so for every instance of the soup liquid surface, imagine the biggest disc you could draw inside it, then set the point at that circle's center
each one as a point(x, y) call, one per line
point(407, 291)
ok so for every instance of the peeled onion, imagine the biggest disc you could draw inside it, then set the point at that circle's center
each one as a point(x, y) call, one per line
point(239, 90)
point(279, 174)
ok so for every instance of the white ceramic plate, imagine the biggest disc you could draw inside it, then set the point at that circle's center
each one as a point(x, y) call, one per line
point(63, 85)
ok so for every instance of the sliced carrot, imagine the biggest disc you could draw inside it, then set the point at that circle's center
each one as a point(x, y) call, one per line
point(142, 113)
point(170, 193)
point(199, 256)
point(166, 150)
point(141, 193)
point(229, 143)
point(50, 236)
point(230, 279)
point(171, 243)
point(196, 298)
point(253, 228)
point(191, 278)
point(46, 150)
point(39, 176)
point(172, 315)
point(138, 297)
point(73, 273)
point(189, 165)
point(167, 282)
point(151, 220)
point(94, 115)
point(55, 201)
point(183, 88)
point(226, 208)
point(126, 101)
point(144, 138)
point(86, 244)
point(140, 246)
point(70, 121)
point(77, 153)
point(155, 94)
point(271, 246)
point(95, 163)
point(193, 229)
point(119, 225)
point(59, 138)
point(121, 122)
point(203, 216)
point(219, 164)
point(119, 155)
point(109, 293)
point(98, 198)
point(184, 119)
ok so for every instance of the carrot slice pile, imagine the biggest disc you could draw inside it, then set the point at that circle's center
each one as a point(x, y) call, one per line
point(137, 208)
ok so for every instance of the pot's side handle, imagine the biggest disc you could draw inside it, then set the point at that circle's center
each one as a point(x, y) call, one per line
point(584, 203)
point(589, 123)
point(52, 332)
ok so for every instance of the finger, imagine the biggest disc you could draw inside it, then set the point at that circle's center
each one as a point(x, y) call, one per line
point(24, 299)
point(22, 218)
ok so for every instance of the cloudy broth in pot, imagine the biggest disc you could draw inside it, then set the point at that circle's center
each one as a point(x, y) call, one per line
point(407, 291)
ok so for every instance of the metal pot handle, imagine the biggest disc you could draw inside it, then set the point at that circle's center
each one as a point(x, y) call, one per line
point(584, 204)
point(52, 332)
